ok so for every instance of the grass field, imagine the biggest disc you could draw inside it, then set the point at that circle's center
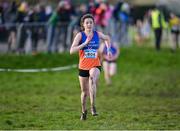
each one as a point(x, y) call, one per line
point(145, 93)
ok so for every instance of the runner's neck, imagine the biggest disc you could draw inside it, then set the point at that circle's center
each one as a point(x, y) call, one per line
point(88, 32)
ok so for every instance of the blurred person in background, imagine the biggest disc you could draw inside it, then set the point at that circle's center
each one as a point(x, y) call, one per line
point(51, 31)
point(58, 26)
point(87, 44)
point(1, 13)
point(100, 18)
point(91, 7)
point(143, 30)
point(124, 19)
point(146, 29)
point(66, 13)
point(2, 28)
point(109, 63)
point(10, 20)
point(108, 22)
point(121, 16)
point(48, 12)
point(81, 10)
point(174, 23)
point(38, 17)
point(139, 32)
point(157, 23)
point(22, 18)
point(117, 22)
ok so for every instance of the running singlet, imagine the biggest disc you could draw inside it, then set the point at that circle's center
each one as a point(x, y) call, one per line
point(89, 54)
point(113, 50)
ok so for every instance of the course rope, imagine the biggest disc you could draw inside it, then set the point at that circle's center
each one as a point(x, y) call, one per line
point(40, 70)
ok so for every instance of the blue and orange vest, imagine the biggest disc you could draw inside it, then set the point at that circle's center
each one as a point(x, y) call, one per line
point(89, 54)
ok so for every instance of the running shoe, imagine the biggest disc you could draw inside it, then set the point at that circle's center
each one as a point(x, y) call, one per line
point(83, 115)
point(93, 111)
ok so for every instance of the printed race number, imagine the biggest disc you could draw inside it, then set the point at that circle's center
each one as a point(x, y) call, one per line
point(90, 53)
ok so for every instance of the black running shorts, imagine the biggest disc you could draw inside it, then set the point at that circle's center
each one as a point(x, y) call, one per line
point(85, 73)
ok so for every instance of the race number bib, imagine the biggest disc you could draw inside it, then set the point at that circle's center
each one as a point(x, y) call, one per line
point(90, 53)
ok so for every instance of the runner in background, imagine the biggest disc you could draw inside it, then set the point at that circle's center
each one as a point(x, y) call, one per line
point(109, 63)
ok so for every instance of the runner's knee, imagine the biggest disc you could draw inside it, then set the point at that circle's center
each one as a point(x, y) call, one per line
point(84, 93)
point(93, 80)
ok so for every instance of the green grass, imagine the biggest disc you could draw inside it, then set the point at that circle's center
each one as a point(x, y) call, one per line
point(145, 93)
point(38, 61)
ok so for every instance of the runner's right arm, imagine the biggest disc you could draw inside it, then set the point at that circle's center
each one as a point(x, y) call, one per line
point(75, 46)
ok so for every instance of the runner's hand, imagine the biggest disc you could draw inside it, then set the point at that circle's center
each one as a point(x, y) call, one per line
point(88, 39)
point(109, 54)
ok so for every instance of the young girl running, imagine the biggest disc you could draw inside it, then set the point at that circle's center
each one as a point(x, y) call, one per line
point(87, 43)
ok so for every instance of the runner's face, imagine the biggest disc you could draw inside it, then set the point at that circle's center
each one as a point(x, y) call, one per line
point(88, 24)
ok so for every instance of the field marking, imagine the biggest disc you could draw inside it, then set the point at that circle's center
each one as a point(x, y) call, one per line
point(40, 70)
